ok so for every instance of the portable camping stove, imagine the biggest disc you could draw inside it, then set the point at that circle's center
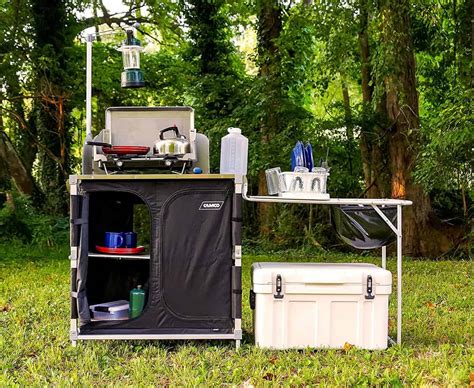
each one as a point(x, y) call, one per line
point(127, 141)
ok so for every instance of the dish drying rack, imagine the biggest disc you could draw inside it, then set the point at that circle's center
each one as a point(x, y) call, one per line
point(295, 184)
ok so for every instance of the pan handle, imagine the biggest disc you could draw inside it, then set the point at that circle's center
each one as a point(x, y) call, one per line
point(99, 143)
point(174, 128)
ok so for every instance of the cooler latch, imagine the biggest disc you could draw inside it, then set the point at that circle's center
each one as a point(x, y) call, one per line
point(369, 288)
point(252, 300)
point(278, 283)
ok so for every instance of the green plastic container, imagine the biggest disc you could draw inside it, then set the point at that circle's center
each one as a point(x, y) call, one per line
point(137, 301)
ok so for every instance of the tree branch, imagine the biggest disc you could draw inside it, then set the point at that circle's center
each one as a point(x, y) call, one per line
point(26, 129)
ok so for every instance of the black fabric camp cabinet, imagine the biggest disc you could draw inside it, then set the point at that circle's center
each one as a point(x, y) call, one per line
point(191, 267)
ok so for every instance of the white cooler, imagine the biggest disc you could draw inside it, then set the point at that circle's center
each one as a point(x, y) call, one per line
point(299, 305)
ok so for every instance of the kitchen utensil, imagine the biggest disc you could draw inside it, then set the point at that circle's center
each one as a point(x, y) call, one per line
point(172, 147)
point(324, 163)
point(109, 149)
point(125, 150)
point(303, 153)
point(308, 185)
point(110, 307)
point(301, 169)
point(110, 311)
point(297, 156)
point(275, 183)
point(114, 240)
point(137, 301)
point(309, 156)
point(120, 251)
point(130, 239)
point(319, 180)
point(293, 159)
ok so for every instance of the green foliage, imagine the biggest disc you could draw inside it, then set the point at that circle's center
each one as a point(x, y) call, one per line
point(13, 218)
point(35, 348)
point(447, 161)
point(445, 164)
point(192, 58)
point(20, 221)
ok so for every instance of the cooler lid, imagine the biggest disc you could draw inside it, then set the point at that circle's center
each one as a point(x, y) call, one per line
point(319, 273)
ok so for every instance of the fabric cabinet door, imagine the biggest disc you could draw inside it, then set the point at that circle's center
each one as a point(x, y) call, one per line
point(196, 251)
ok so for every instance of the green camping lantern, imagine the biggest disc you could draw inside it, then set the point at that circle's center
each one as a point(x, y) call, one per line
point(132, 76)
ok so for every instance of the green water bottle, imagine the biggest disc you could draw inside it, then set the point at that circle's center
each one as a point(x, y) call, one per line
point(137, 301)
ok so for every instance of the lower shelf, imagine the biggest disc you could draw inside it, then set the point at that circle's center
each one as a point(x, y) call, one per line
point(144, 256)
point(230, 336)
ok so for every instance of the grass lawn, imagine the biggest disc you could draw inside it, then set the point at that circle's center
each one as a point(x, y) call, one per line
point(35, 349)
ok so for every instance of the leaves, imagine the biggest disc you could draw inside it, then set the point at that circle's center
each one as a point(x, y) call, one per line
point(347, 347)
point(5, 308)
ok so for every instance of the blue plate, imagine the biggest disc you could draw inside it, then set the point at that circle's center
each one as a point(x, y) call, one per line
point(297, 156)
point(293, 159)
point(309, 156)
point(300, 154)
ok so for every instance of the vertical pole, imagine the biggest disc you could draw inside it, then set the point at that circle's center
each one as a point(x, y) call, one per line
point(73, 332)
point(87, 155)
point(384, 257)
point(399, 274)
point(237, 256)
point(74, 213)
point(90, 38)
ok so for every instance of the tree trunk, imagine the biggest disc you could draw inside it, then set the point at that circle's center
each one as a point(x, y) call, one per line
point(22, 137)
point(349, 123)
point(420, 238)
point(15, 167)
point(52, 37)
point(472, 43)
point(371, 140)
point(4, 173)
point(269, 29)
point(12, 166)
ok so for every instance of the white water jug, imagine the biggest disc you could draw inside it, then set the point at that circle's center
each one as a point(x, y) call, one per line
point(234, 153)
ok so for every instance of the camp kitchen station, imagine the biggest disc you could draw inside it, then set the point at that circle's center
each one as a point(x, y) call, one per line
point(156, 238)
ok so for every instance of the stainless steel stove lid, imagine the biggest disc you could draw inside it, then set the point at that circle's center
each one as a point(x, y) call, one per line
point(139, 125)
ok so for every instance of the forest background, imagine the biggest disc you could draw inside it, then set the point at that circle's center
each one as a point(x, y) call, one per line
point(383, 87)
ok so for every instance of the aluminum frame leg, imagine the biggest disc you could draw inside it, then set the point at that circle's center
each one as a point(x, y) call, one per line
point(399, 274)
point(73, 332)
point(384, 257)
point(398, 232)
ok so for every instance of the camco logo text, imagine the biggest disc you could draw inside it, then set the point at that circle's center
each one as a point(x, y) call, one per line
point(211, 205)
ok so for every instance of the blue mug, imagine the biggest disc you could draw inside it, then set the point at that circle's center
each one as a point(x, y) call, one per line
point(114, 239)
point(130, 239)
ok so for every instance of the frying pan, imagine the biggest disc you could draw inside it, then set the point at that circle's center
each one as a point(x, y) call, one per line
point(109, 149)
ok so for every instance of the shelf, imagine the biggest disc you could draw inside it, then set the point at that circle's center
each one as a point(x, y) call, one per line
point(329, 201)
point(144, 256)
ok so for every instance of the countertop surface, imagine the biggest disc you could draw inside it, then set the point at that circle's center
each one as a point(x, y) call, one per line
point(150, 176)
